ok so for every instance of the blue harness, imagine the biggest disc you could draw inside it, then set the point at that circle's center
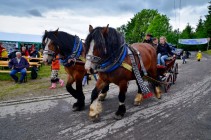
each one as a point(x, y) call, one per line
point(108, 66)
point(76, 52)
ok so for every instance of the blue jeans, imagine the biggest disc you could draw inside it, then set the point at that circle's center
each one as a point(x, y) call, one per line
point(14, 71)
point(161, 59)
point(85, 80)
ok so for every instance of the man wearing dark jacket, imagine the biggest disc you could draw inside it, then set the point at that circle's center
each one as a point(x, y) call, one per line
point(18, 64)
point(148, 39)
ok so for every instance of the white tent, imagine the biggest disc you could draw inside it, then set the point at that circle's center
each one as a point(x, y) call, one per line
point(20, 37)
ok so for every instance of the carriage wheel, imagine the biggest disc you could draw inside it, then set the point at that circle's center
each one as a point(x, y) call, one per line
point(169, 81)
point(175, 72)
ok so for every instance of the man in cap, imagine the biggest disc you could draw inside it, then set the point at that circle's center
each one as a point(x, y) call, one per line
point(148, 39)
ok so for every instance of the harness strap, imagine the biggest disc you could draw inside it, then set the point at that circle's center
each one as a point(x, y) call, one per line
point(141, 62)
point(127, 66)
point(144, 89)
point(82, 58)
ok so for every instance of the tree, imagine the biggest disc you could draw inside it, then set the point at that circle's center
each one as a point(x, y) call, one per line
point(137, 27)
point(187, 33)
point(159, 26)
point(207, 22)
point(200, 30)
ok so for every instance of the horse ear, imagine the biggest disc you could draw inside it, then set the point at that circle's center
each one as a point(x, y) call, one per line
point(90, 28)
point(46, 31)
point(56, 32)
point(105, 29)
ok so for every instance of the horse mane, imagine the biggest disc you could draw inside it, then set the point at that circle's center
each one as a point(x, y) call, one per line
point(107, 44)
point(62, 39)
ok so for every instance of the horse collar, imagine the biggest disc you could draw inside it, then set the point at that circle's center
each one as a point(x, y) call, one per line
point(108, 65)
point(76, 52)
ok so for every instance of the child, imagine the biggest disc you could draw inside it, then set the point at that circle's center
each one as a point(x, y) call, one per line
point(199, 55)
point(54, 74)
point(183, 57)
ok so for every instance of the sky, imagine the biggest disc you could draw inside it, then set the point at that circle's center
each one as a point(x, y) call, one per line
point(75, 16)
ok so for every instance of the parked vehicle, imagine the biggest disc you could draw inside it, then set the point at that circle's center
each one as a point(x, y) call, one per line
point(178, 52)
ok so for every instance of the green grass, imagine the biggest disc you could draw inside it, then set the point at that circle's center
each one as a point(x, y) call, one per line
point(208, 52)
point(36, 87)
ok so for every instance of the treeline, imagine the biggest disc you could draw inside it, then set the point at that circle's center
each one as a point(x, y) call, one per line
point(151, 21)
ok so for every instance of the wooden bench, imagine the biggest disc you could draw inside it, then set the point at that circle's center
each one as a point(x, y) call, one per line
point(31, 64)
point(8, 71)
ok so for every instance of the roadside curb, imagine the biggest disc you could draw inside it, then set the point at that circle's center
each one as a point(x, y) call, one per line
point(42, 98)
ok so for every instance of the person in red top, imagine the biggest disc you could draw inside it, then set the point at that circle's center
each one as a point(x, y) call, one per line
point(1, 48)
point(24, 51)
point(55, 73)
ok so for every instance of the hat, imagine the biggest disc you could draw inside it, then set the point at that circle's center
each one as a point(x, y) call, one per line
point(148, 34)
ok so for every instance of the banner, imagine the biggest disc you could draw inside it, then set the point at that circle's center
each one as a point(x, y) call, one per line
point(193, 41)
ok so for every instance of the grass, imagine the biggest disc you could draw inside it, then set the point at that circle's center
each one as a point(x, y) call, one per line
point(36, 87)
point(208, 52)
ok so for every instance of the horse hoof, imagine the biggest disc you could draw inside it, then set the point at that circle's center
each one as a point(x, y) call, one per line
point(118, 117)
point(158, 96)
point(138, 99)
point(77, 107)
point(102, 96)
point(137, 103)
point(95, 118)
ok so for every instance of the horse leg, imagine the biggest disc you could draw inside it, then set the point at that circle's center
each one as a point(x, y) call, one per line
point(80, 104)
point(121, 109)
point(96, 105)
point(103, 93)
point(139, 97)
point(77, 94)
point(156, 87)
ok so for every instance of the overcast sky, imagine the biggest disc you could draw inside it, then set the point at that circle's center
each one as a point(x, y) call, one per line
point(74, 16)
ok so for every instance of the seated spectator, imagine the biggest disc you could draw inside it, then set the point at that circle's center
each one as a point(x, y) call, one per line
point(13, 54)
point(163, 51)
point(18, 64)
point(40, 53)
point(155, 42)
point(33, 52)
point(2, 49)
point(148, 39)
point(24, 51)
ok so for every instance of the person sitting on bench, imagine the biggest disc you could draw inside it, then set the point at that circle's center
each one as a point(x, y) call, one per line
point(18, 64)
point(163, 51)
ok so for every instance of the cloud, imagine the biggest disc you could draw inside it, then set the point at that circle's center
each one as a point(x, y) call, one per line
point(35, 13)
point(74, 16)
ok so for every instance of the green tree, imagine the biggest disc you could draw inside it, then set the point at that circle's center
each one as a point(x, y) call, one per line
point(187, 33)
point(208, 22)
point(138, 25)
point(159, 26)
point(200, 30)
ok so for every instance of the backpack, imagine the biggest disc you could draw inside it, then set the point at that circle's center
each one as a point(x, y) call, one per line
point(34, 73)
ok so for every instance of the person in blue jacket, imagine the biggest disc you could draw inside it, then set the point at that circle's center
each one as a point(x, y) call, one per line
point(18, 64)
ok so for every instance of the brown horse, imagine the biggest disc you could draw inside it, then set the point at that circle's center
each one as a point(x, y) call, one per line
point(72, 55)
point(103, 46)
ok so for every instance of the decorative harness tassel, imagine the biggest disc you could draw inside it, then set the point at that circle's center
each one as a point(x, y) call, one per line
point(144, 89)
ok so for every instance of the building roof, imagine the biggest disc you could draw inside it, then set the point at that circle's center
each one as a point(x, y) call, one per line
point(20, 37)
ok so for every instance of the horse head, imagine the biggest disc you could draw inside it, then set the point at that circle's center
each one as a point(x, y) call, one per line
point(58, 42)
point(50, 47)
point(101, 43)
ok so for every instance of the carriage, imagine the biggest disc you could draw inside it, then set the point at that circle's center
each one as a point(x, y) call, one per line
point(168, 74)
